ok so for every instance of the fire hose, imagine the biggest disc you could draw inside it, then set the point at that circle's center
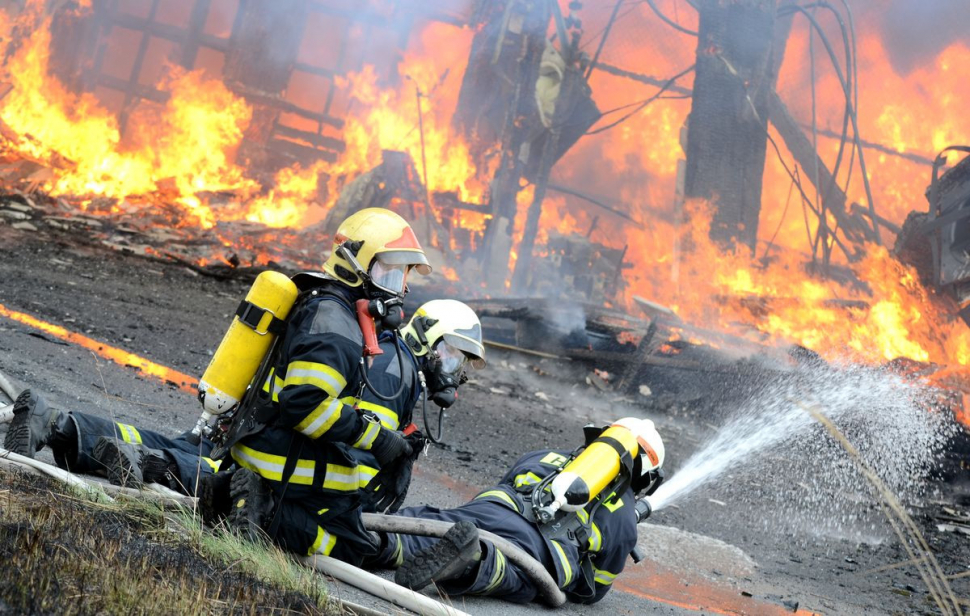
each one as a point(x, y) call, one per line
point(546, 585)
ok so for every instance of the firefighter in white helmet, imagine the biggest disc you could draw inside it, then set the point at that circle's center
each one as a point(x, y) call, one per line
point(584, 548)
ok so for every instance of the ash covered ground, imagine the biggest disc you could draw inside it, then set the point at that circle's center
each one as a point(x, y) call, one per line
point(756, 541)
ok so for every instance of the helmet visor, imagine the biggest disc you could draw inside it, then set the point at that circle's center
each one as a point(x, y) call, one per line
point(387, 277)
point(470, 347)
point(452, 360)
point(413, 258)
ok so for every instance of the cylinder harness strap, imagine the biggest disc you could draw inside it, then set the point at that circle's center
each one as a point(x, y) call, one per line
point(252, 315)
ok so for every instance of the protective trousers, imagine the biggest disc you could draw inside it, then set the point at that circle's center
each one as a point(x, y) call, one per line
point(494, 575)
point(319, 510)
point(191, 460)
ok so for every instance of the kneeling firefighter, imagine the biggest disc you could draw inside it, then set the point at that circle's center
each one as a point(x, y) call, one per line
point(296, 480)
point(574, 512)
point(440, 341)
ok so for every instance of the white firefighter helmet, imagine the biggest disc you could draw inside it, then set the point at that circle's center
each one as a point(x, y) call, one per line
point(382, 244)
point(651, 452)
point(450, 321)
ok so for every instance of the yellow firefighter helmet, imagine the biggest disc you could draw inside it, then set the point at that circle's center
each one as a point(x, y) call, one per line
point(448, 320)
point(377, 245)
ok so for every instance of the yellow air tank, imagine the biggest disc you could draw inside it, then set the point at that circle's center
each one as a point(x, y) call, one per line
point(595, 468)
point(246, 342)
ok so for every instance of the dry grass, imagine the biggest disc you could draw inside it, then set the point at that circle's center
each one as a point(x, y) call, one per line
point(63, 554)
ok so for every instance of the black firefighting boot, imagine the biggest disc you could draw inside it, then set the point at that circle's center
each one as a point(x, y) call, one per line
point(251, 504)
point(214, 496)
point(120, 461)
point(447, 559)
point(32, 425)
point(159, 467)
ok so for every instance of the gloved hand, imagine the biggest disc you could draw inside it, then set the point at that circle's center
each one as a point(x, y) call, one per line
point(387, 490)
point(388, 446)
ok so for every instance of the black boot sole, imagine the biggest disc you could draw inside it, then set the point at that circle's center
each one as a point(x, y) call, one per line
point(251, 504)
point(116, 465)
point(215, 497)
point(157, 469)
point(17, 438)
point(445, 560)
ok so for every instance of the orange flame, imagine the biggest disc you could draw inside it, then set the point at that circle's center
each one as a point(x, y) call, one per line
point(119, 356)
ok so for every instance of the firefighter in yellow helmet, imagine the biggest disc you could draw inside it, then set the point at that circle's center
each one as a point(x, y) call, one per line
point(297, 480)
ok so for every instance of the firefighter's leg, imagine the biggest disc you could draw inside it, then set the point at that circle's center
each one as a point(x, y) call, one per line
point(455, 555)
point(179, 470)
point(33, 425)
point(494, 576)
point(333, 529)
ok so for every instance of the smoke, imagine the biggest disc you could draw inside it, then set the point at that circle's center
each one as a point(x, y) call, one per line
point(915, 32)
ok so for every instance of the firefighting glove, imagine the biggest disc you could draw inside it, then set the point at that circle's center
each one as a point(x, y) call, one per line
point(389, 446)
point(387, 490)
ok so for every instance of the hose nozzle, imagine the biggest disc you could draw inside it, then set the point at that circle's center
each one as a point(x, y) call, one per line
point(643, 509)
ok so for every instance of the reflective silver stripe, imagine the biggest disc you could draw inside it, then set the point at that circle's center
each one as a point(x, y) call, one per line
point(367, 438)
point(316, 374)
point(321, 418)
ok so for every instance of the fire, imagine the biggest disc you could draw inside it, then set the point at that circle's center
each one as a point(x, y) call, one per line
point(184, 144)
point(183, 151)
point(119, 356)
point(414, 117)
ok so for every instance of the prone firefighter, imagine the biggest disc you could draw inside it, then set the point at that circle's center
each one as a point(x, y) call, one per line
point(576, 513)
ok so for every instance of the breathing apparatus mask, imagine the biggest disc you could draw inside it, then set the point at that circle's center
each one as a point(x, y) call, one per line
point(444, 372)
point(384, 286)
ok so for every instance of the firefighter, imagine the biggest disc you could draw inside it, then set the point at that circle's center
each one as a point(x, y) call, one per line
point(583, 550)
point(297, 480)
point(442, 338)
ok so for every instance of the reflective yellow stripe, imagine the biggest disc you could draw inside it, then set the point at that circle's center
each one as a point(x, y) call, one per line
point(611, 504)
point(366, 473)
point(213, 464)
point(270, 467)
point(342, 478)
point(498, 574)
point(321, 418)
point(318, 375)
point(526, 479)
point(601, 576)
point(323, 544)
point(595, 538)
point(553, 459)
point(499, 494)
point(566, 567)
point(277, 386)
point(389, 418)
point(129, 433)
point(367, 438)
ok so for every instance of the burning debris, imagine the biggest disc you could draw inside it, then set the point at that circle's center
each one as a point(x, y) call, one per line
point(211, 136)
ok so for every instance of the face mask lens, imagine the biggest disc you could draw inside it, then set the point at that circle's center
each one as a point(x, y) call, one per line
point(390, 278)
point(452, 360)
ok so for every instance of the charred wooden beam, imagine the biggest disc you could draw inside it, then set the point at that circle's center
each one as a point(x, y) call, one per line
point(834, 200)
point(726, 135)
point(316, 139)
point(264, 49)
